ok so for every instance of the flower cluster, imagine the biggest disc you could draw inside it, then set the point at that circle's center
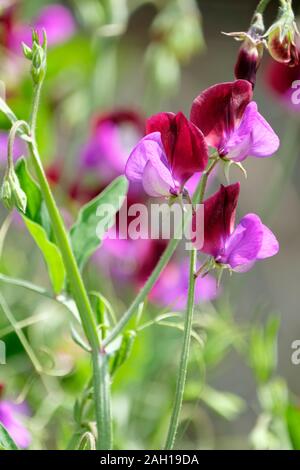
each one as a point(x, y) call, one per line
point(225, 119)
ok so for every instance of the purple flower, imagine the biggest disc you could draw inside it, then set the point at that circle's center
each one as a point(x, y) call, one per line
point(11, 417)
point(56, 19)
point(238, 248)
point(172, 286)
point(113, 136)
point(231, 122)
point(171, 152)
point(19, 148)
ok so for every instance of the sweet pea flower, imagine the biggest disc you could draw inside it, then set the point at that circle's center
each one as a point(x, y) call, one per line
point(56, 19)
point(284, 81)
point(19, 147)
point(11, 418)
point(231, 122)
point(171, 152)
point(113, 136)
point(172, 287)
point(235, 247)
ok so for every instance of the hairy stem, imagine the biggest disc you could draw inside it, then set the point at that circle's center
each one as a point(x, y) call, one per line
point(262, 6)
point(74, 276)
point(184, 356)
point(184, 359)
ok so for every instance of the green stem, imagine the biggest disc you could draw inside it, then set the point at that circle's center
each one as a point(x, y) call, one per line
point(76, 283)
point(184, 356)
point(262, 6)
point(105, 438)
point(183, 366)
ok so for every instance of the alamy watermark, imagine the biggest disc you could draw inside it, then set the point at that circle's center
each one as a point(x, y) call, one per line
point(154, 221)
point(296, 93)
point(295, 357)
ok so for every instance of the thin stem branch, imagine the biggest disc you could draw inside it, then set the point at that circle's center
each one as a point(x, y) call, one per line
point(183, 366)
point(262, 6)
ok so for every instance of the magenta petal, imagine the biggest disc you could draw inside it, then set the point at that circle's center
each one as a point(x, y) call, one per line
point(264, 141)
point(219, 109)
point(149, 145)
point(146, 164)
point(244, 244)
point(184, 144)
point(11, 418)
point(58, 22)
point(254, 137)
point(172, 287)
point(269, 246)
point(156, 181)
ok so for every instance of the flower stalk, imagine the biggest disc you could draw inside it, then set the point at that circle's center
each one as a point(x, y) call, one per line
point(184, 359)
point(102, 404)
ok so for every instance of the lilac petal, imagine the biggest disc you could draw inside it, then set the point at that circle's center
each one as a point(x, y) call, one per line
point(11, 418)
point(171, 289)
point(270, 245)
point(146, 164)
point(150, 144)
point(243, 246)
point(264, 140)
point(254, 137)
point(154, 183)
point(58, 22)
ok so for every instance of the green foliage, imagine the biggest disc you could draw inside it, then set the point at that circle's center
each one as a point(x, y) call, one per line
point(263, 349)
point(6, 441)
point(293, 424)
point(85, 233)
point(37, 221)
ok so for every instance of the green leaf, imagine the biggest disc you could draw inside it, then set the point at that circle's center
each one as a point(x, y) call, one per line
point(5, 109)
point(6, 442)
point(85, 236)
point(293, 424)
point(37, 221)
point(226, 404)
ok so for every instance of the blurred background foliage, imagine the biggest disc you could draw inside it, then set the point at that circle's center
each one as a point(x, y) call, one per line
point(242, 390)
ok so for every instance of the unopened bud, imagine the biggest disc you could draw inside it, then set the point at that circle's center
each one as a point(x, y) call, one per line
point(12, 195)
point(281, 37)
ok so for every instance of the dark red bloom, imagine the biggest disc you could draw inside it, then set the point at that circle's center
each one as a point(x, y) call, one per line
point(249, 59)
point(219, 218)
point(184, 144)
point(219, 109)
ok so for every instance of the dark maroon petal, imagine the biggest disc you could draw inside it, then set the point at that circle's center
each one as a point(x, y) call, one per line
point(219, 218)
point(184, 144)
point(249, 59)
point(121, 116)
point(165, 124)
point(280, 77)
point(218, 110)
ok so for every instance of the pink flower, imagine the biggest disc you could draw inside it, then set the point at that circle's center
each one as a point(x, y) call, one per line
point(113, 136)
point(240, 247)
point(280, 78)
point(19, 148)
point(231, 122)
point(56, 19)
point(171, 152)
point(172, 286)
point(11, 418)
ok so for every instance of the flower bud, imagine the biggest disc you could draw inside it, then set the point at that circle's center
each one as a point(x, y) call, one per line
point(281, 37)
point(6, 196)
point(251, 51)
point(11, 194)
point(38, 56)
